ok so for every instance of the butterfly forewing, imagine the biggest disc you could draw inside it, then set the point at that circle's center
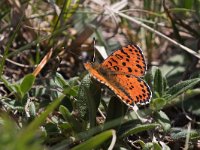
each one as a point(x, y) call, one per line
point(127, 60)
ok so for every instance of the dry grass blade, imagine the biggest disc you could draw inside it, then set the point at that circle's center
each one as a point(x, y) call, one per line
point(16, 63)
point(43, 63)
point(187, 137)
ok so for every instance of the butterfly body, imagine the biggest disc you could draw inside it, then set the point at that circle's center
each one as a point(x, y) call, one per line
point(121, 72)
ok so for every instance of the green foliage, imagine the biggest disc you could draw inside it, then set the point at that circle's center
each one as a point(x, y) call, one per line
point(68, 109)
point(164, 120)
point(20, 89)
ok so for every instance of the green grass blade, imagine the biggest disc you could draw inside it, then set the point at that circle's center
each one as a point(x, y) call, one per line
point(9, 44)
point(140, 128)
point(95, 141)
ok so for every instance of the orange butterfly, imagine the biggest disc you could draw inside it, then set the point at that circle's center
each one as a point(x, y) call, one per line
point(121, 72)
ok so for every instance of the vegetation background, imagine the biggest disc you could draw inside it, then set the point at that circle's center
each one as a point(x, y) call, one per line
point(47, 99)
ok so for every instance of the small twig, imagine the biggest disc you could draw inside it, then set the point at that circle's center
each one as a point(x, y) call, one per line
point(187, 137)
point(173, 23)
point(17, 64)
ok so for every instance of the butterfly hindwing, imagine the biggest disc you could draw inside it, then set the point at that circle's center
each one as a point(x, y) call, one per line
point(132, 89)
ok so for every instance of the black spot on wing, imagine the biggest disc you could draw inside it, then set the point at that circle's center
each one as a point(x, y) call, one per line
point(123, 52)
point(129, 69)
point(142, 86)
point(127, 55)
point(139, 66)
point(123, 63)
point(119, 56)
point(137, 98)
point(114, 60)
point(110, 63)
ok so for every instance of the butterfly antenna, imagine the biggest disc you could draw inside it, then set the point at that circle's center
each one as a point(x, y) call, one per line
point(94, 43)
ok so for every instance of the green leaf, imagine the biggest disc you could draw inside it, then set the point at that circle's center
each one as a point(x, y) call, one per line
point(18, 92)
point(13, 88)
point(32, 109)
point(139, 128)
point(163, 119)
point(65, 112)
point(179, 133)
point(157, 103)
point(27, 83)
point(158, 82)
point(74, 81)
point(149, 78)
point(88, 99)
point(115, 104)
point(191, 104)
point(76, 125)
point(164, 84)
point(70, 86)
point(8, 84)
point(148, 146)
point(181, 87)
point(84, 96)
point(156, 146)
point(60, 80)
point(97, 129)
point(187, 4)
point(95, 141)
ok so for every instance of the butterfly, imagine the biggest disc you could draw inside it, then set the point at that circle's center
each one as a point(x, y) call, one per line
point(121, 72)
